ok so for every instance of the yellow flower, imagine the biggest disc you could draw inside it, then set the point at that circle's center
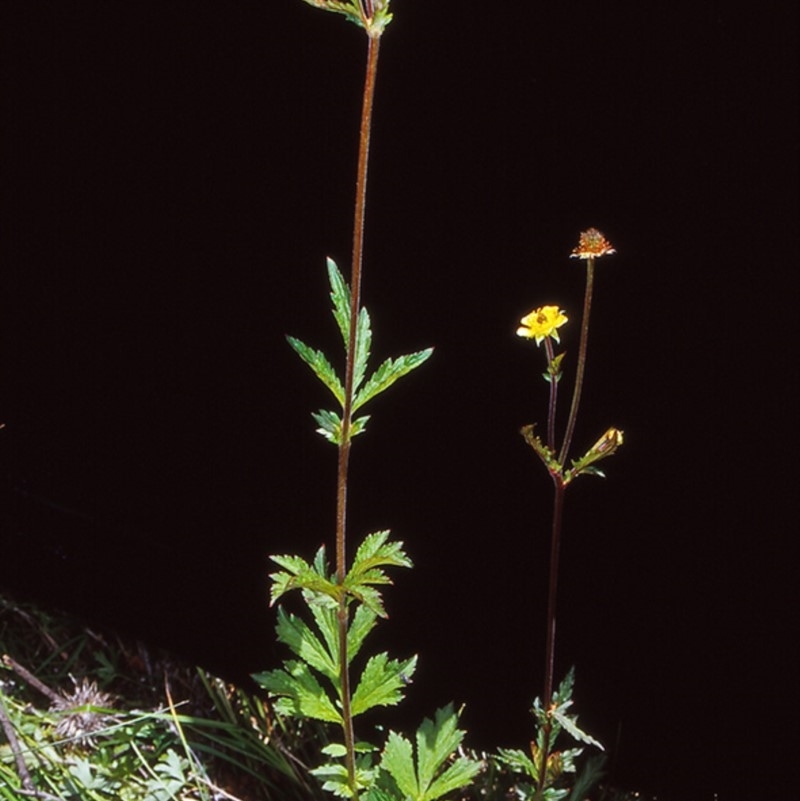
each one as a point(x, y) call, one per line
point(542, 322)
point(592, 245)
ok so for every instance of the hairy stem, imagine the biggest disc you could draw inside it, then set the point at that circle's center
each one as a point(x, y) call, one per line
point(344, 446)
point(576, 395)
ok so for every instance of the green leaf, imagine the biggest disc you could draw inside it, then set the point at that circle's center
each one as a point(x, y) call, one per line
point(299, 693)
point(519, 762)
point(398, 760)
point(364, 620)
point(570, 724)
point(298, 574)
point(388, 373)
point(363, 345)
point(322, 368)
point(382, 683)
point(334, 779)
point(436, 741)
point(341, 298)
point(292, 631)
point(373, 554)
point(330, 425)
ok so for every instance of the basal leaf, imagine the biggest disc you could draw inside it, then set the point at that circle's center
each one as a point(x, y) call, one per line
point(432, 777)
point(382, 682)
point(436, 740)
point(398, 760)
point(388, 373)
point(298, 692)
point(322, 368)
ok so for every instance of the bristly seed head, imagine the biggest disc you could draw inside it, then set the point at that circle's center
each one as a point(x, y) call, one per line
point(592, 245)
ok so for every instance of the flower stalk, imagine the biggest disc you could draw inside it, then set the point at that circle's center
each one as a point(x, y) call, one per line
point(542, 325)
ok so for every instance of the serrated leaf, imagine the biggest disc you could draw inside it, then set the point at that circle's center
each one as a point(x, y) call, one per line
point(436, 740)
point(398, 760)
point(292, 631)
point(364, 620)
point(298, 692)
point(363, 345)
point(388, 373)
point(341, 298)
point(458, 774)
point(375, 550)
point(334, 779)
point(299, 574)
point(322, 368)
point(358, 425)
point(569, 723)
point(519, 762)
point(374, 553)
point(382, 682)
point(327, 624)
point(329, 425)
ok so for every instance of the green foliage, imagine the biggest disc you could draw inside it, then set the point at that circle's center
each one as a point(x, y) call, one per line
point(320, 585)
point(364, 389)
point(544, 757)
point(433, 774)
point(310, 686)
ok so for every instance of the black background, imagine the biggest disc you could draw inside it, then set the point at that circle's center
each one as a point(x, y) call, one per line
point(173, 176)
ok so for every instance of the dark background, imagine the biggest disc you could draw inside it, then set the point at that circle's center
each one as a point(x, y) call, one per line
point(173, 176)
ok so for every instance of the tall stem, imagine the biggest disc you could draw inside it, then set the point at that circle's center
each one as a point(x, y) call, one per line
point(550, 637)
point(576, 395)
point(344, 446)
